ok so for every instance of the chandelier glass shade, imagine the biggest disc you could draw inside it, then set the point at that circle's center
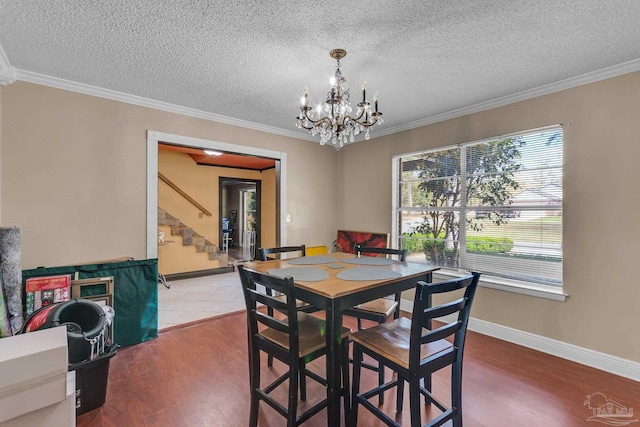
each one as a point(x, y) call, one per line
point(334, 121)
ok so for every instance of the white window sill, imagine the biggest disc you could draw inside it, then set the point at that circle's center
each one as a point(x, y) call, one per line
point(515, 286)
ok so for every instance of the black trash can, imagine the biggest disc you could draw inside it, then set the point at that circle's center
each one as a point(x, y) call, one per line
point(87, 335)
point(91, 381)
point(87, 328)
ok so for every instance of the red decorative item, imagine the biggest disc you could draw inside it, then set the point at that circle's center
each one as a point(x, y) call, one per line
point(46, 290)
point(347, 240)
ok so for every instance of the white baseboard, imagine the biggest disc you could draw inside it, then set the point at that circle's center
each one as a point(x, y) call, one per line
point(595, 359)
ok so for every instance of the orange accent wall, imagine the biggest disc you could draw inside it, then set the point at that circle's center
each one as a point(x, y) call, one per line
point(202, 184)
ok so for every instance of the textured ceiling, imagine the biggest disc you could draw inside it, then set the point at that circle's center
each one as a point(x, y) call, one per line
point(250, 60)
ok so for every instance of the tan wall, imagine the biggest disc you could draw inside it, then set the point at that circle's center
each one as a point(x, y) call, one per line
point(601, 228)
point(73, 174)
point(198, 183)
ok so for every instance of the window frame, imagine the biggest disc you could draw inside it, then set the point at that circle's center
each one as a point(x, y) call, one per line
point(554, 292)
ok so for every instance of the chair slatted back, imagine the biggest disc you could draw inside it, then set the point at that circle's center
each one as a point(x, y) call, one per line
point(258, 288)
point(263, 253)
point(400, 253)
point(421, 332)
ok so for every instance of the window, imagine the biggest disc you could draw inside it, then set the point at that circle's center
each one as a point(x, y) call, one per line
point(493, 206)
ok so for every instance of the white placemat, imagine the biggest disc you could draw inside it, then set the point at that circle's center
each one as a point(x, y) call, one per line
point(368, 260)
point(311, 260)
point(368, 273)
point(303, 274)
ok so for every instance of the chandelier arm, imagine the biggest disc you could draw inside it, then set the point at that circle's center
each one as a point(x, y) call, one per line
point(367, 124)
point(357, 119)
point(374, 118)
point(314, 123)
point(363, 111)
point(362, 106)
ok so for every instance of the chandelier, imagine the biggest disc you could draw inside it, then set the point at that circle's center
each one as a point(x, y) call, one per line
point(334, 121)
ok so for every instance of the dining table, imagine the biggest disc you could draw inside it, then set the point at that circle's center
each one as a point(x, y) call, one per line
point(336, 281)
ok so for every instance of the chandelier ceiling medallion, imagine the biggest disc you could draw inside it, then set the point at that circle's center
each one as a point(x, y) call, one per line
point(333, 121)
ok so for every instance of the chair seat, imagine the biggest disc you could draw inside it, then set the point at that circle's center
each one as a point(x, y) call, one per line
point(391, 340)
point(311, 334)
point(382, 306)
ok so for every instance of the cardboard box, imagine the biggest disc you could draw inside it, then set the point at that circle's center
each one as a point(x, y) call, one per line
point(34, 372)
point(61, 414)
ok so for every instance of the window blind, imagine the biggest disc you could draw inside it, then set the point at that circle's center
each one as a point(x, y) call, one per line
point(493, 206)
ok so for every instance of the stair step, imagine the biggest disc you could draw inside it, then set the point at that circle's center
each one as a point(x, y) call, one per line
point(191, 238)
point(200, 243)
point(223, 257)
point(169, 222)
point(176, 230)
point(187, 236)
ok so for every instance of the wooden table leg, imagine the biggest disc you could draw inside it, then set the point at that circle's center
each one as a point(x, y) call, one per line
point(334, 341)
point(427, 380)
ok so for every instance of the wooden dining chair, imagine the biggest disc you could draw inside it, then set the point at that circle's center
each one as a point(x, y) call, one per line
point(295, 340)
point(415, 351)
point(265, 254)
point(381, 309)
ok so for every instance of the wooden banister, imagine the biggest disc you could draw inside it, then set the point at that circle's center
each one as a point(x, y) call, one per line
point(183, 194)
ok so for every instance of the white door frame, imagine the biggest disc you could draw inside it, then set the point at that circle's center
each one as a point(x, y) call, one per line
point(154, 138)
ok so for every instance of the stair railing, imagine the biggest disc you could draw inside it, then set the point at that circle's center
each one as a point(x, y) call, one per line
point(183, 194)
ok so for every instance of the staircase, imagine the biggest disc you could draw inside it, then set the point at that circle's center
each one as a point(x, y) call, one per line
point(191, 238)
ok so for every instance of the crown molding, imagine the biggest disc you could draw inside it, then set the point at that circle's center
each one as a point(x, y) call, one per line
point(583, 79)
point(7, 73)
point(42, 79)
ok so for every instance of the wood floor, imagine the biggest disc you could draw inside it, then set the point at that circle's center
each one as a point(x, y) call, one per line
point(197, 376)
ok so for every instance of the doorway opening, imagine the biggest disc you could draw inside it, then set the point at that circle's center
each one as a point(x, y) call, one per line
point(154, 138)
point(191, 305)
point(241, 213)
